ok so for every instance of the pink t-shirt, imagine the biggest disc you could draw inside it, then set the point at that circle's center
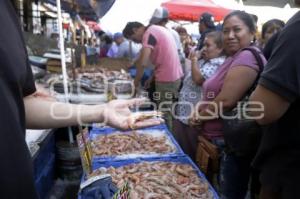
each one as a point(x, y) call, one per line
point(164, 53)
point(213, 86)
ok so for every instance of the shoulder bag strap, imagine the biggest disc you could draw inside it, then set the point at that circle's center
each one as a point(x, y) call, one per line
point(260, 63)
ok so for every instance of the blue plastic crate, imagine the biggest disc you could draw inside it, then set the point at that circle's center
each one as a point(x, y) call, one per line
point(96, 128)
point(105, 131)
point(180, 159)
point(45, 180)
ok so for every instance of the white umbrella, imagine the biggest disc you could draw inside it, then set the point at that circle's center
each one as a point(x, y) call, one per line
point(124, 11)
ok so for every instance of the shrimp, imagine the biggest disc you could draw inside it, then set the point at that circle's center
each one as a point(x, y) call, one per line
point(141, 116)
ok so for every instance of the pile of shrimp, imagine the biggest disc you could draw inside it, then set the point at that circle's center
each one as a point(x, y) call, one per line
point(132, 142)
point(159, 180)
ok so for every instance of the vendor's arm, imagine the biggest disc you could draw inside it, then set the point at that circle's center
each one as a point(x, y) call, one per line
point(149, 81)
point(231, 91)
point(140, 64)
point(268, 100)
point(279, 83)
point(41, 113)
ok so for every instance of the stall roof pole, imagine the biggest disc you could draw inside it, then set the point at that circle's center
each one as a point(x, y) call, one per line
point(63, 60)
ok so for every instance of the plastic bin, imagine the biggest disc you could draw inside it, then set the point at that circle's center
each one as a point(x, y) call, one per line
point(96, 129)
point(179, 159)
point(156, 130)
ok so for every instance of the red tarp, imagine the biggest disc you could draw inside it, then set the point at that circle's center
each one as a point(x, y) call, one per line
point(190, 10)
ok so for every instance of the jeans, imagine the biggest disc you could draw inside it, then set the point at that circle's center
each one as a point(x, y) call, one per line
point(235, 173)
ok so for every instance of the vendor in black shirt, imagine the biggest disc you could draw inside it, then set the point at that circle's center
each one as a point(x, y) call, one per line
point(278, 157)
point(20, 109)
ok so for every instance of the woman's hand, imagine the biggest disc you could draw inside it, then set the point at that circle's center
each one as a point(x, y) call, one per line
point(195, 55)
point(195, 121)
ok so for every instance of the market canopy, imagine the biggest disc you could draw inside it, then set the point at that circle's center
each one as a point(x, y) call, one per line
point(190, 10)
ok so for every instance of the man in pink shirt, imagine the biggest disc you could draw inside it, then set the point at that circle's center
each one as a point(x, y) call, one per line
point(160, 48)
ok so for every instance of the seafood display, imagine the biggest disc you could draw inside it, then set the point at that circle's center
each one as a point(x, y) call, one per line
point(109, 75)
point(133, 142)
point(159, 180)
point(123, 87)
point(93, 80)
point(97, 79)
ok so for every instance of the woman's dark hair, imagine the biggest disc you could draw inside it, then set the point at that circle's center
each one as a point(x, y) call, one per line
point(128, 30)
point(245, 17)
point(276, 23)
point(100, 33)
point(107, 39)
point(217, 37)
point(255, 18)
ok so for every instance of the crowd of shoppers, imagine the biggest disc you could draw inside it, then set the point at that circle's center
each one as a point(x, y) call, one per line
point(224, 85)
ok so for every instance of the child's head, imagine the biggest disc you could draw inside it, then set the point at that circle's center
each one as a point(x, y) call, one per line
point(213, 45)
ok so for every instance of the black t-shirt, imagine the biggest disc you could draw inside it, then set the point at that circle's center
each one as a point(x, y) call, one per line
point(280, 146)
point(16, 82)
point(267, 51)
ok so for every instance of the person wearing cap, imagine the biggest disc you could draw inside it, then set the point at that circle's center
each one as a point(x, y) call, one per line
point(206, 25)
point(160, 17)
point(158, 46)
point(125, 48)
point(118, 38)
point(113, 50)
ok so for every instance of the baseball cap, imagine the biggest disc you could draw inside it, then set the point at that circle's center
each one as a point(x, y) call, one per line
point(117, 35)
point(158, 15)
point(207, 19)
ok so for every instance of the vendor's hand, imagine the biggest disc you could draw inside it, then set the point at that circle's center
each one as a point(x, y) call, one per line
point(129, 65)
point(117, 114)
point(148, 82)
point(195, 122)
